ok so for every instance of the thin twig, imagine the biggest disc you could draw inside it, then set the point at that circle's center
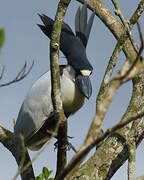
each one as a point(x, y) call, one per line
point(108, 73)
point(140, 34)
point(20, 75)
point(106, 79)
point(125, 23)
point(138, 56)
point(134, 18)
point(2, 73)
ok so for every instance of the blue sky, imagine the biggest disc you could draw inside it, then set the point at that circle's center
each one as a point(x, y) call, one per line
point(25, 42)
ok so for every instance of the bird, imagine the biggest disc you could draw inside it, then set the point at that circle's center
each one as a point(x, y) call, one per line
point(35, 119)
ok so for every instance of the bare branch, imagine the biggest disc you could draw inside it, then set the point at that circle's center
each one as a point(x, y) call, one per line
point(108, 73)
point(15, 144)
point(138, 56)
point(118, 48)
point(140, 35)
point(86, 148)
point(55, 81)
point(113, 60)
point(29, 163)
point(2, 73)
point(137, 14)
point(96, 126)
point(132, 161)
point(20, 75)
point(125, 23)
point(62, 147)
point(106, 17)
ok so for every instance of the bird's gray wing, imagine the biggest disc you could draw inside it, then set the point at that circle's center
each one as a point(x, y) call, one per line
point(36, 107)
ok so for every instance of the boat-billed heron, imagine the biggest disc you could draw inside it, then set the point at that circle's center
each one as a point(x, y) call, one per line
point(36, 117)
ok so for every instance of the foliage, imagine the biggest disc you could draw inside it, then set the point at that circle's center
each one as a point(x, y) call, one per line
point(45, 174)
point(2, 37)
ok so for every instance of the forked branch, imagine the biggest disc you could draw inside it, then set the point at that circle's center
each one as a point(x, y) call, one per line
point(20, 75)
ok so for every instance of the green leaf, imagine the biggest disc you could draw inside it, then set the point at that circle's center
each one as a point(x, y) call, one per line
point(40, 177)
point(50, 172)
point(46, 172)
point(2, 37)
point(50, 178)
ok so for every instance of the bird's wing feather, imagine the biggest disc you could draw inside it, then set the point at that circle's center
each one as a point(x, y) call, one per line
point(36, 107)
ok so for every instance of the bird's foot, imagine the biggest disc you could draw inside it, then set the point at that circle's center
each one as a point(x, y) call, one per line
point(68, 146)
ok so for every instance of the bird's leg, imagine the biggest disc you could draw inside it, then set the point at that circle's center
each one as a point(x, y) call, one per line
point(68, 146)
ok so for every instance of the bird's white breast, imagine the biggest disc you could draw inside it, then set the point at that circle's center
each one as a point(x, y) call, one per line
point(71, 96)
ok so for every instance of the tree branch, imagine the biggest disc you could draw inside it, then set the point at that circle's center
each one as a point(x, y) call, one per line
point(118, 48)
point(132, 160)
point(20, 75)
point(139, 53)
point(55, 81)
point(85, 149)
point(62, 147)
point(2, 72)
point(114, 86)
point(125, 23)
point(96, 126)
point(15, 144)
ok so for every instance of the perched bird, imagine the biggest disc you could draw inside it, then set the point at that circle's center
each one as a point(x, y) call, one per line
point(36, 117)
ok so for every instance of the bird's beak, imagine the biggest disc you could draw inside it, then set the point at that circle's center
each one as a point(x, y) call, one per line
point(84, 85)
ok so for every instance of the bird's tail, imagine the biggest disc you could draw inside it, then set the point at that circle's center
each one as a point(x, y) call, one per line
point(82, 27)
